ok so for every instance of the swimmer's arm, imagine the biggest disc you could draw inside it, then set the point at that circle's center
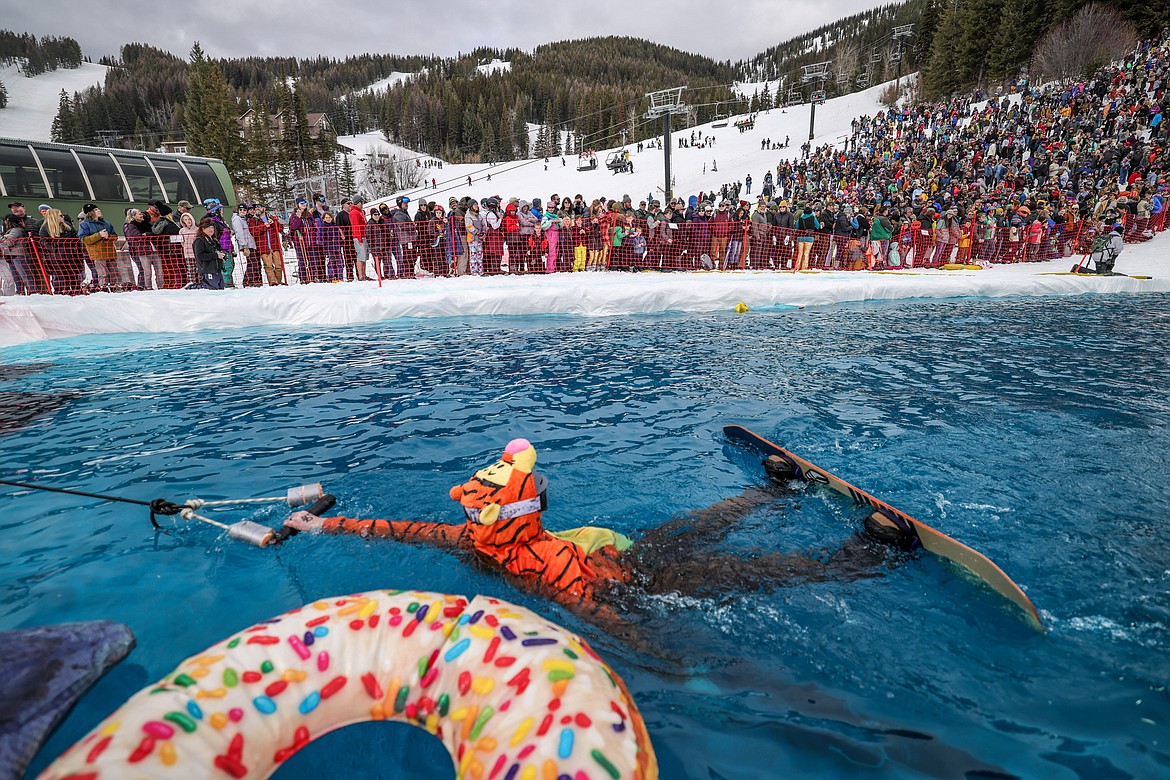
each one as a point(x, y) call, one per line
point(442, 535)
point(738, 506)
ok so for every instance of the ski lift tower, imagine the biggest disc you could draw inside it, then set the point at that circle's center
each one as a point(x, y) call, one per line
point(900, 33)
point(666, 103)
point(818, 73)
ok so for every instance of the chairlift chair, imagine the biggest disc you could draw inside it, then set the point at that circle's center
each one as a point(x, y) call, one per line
point(794, 96)
point(818, 96)
point(720, 120)
point(876, 57)
point(863, 80)
point(895, 56)
point(842, 78)
point(617, 162)
point(587, 161)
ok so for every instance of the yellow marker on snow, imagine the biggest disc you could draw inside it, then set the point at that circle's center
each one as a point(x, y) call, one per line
point(741, 308)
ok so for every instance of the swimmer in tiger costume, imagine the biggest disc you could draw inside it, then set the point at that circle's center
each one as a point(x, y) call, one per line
point(585, 568)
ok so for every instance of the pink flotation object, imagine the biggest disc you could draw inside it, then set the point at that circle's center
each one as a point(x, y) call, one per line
point(509, 693)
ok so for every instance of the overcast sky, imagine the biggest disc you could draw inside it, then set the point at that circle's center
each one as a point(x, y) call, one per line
point(723, 30)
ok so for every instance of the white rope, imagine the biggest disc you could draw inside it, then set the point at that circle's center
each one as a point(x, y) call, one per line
point(189, 514)
point(199, 502)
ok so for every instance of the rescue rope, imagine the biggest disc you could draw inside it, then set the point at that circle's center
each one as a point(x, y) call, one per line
point(296, 497)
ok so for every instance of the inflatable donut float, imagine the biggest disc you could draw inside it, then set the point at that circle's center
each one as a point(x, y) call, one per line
point(511, 695)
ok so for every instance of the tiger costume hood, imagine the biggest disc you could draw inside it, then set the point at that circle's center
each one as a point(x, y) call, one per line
point(503, 501)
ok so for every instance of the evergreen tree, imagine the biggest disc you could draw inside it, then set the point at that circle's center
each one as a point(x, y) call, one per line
point(222, 131)
point(942, 73)
point(504, 148)
point(66, 128)
point(194, 121)
point(347, 180)
point(256, 159)
point(1010, 47)
point(472, 130)
point(487, 147)
point(519, 131)
point(926, 28)
point(295, 138)
point(282, 176)
point(3, 95)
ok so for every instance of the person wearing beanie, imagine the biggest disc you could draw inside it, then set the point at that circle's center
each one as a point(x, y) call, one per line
point(98, 237)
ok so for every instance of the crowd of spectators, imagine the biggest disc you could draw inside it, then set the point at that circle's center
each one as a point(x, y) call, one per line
point(1029, 176)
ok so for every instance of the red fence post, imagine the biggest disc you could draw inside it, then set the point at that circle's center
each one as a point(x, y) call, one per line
point(48, 289)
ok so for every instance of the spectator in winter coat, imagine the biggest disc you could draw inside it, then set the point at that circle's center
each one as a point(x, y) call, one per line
point(941, 235)
point(473, 226)
point(436, 238)
point(357, 227)
point(700, 238)
point(302, 233)
point(1035, 236)
point(493, 239)
point(739, 220)
point(31, 225)
point(550, 227)
point(455, 238)
point(61, 252)
point(844, 227)
point(380, 243)
point(167, 243)
point(99, 237)
point(15, 270)
point(785, 223)
point(880, 233)
point(428, 237)
point(246, 244)
point(332, 242)
point(209, 257)
point(760, 254)
point(188, 230)
point(223, 234)
point(511, 228)
point(529, 235)
point(140, 244)
point(721, 225)
point(404, 235)
point(266, 233)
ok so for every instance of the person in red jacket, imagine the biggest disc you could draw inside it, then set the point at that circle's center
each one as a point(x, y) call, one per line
point(357, 227)
point(511, 227)
point(265, 232)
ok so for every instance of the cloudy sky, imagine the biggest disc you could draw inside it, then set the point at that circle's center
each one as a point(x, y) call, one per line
point(722, 30)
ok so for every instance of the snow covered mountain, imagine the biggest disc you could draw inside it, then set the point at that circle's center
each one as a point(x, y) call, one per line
point(730, 158)
point(32, 102)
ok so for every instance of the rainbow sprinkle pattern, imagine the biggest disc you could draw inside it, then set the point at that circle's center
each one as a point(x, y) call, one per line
point(511, 695)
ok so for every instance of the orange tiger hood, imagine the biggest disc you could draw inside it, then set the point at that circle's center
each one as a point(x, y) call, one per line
point(502, 501)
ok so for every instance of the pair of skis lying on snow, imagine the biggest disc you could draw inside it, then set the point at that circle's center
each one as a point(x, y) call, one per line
point(920, 533)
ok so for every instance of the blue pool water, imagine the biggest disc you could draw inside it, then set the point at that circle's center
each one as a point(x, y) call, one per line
point(1034, 430)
